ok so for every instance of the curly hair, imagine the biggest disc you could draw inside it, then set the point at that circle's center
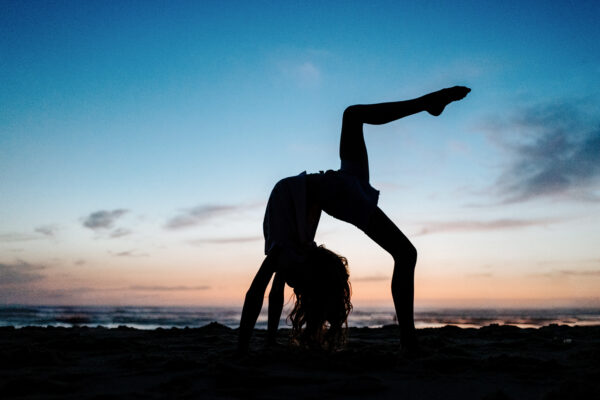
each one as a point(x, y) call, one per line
point(320, 315)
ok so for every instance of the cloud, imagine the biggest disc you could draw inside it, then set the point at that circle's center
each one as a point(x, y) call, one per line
point(103, 219)
point(375, 278)
point(540, 275)
point(19, 273)
point(17, 237)
point(554, 150)
point(387, 187)
point(47, 230)
point(303, 72)
point(239, 239)
point(168, 288)
point(198, 215)
point(119, 232)
point(38, 295)
point(567, 273)
point(475, 226)
point(128, 253)
point(481, 275)
point(594, 272)
point(307, 73)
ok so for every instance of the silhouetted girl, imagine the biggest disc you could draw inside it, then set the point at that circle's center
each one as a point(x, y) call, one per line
point(318, 276)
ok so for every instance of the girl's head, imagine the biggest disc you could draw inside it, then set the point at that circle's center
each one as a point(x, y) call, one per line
point(320, 314)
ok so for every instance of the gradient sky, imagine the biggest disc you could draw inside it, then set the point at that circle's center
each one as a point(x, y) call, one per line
point(139, 142)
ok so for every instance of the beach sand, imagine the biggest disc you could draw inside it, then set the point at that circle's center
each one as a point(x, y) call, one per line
point(493, 362)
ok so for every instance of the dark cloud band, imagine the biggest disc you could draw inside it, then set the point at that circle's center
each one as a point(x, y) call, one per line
point(168, 288)
point(19, 273)
point(554, 150)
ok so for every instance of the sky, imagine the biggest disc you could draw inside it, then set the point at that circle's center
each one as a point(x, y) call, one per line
point(139, 142)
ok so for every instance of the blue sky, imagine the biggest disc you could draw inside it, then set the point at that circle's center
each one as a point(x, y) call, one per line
point(139, 142)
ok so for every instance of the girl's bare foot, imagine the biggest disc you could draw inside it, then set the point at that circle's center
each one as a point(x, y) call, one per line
point(436, 102)
point(410, 349)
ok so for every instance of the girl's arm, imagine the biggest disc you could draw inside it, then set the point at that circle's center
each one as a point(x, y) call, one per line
point(275, 306)
point(254, 300)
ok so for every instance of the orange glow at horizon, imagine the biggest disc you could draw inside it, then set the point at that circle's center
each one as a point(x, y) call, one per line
point(225, 289)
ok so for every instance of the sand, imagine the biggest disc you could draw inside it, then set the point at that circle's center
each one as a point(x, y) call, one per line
point(494, 362)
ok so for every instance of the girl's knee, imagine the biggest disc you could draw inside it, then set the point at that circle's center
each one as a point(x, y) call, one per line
point(352, 114)
point(405, 254)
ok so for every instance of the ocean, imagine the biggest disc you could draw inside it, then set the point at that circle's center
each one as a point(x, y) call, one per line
point(193, 317)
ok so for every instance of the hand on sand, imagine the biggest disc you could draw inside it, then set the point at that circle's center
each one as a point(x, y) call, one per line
point(241, 351)
point(437, 101)
point(271, 342)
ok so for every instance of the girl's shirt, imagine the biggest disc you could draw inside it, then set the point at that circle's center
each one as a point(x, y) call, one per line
point(294, 209)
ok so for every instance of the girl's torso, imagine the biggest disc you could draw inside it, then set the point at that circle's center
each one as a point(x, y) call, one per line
point(342, 195)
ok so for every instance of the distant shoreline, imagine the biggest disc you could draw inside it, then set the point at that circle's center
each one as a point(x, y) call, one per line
point(194, 317)
point(281, 329)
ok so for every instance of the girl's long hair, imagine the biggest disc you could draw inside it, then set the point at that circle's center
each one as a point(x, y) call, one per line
point(320, 315)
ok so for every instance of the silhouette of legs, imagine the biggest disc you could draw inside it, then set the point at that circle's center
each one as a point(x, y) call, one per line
point(353, 153)
point(352, 142)
point(381, 229)
point(386, 234)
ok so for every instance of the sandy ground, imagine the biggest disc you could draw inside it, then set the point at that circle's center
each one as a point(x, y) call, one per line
point(494, 362)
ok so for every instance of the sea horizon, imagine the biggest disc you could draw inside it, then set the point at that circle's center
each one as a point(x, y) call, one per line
point(165, 317)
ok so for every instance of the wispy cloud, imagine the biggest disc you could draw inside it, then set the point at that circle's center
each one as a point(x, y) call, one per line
point(119, 232)
point(128, 253)
point(24, 294)
point(303, 71)
point(47, 230)
point(374, 278)
point(103, 219)
point(225, 240)
point(474, 226)
point(168, 288)
point(17, 237)
point(554, 151)
point(592, 272)
point(388, 186)
point(563, 273)
point(201, 214)
point(19, 273)
point(307, 73)
point(481, 275)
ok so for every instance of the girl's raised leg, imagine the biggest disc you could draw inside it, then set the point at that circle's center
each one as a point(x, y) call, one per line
point(352, 142)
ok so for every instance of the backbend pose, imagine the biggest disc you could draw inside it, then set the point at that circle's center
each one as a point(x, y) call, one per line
point(318, 276)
